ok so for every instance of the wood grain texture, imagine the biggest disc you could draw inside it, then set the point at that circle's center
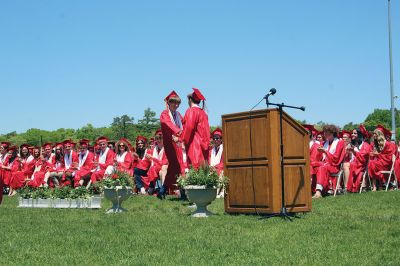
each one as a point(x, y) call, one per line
point(252, 163)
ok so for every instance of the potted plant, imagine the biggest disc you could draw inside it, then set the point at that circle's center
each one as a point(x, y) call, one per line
point(117, 188)
point(201, 187)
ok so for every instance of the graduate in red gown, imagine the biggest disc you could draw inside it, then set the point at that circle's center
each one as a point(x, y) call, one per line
point(55, 170)
point(345, 135)
point(158, 168)
point(104, 159)
point(85, 166)
point(172, 125)
point(70, 160)
point(27, 166)
point(360, 150)
point(196, 131)
point(333, 154)
point(43, 165)
point(3, 155)
point(12, 164)
point(123, 158)
point(144, 158)
point(380, 158)
point(216, 157)
point(316, 139)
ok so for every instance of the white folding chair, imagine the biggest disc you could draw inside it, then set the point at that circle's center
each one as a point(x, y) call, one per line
point(339, 178)
point(363, 181)
point(391, 173)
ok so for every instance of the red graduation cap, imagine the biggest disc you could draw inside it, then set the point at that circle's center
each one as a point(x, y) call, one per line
point(47, 145)
point(158, 132)
point(197, 96)
point(320, 133)
point(84, 142)
point(12, 148)
point(364, 131)
point(101, 139)
point(217, 132)
point(384, 130)
point(68, 142)
point(344, 132)
point(60, 145)
point(310, 128)
point(25, 145)
point(172, 95)
point(138, 138)
point(5, 144)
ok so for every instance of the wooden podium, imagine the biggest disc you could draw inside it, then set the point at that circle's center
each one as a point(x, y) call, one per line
point(252, 163)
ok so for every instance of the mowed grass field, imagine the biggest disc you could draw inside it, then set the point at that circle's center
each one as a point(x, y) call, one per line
point(353, 229)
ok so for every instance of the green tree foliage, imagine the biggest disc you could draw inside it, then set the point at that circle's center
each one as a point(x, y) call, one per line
point(148, 124)
point(86, 132)
point(378, 116)
point(122, 127)
point(350, 126)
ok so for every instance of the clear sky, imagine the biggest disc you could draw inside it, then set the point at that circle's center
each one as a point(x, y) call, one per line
point(64, 64)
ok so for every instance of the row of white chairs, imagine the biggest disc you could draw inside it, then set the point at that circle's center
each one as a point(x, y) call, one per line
point(390, 173)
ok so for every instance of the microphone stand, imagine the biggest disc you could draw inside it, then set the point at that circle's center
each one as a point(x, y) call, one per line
point(283, 212)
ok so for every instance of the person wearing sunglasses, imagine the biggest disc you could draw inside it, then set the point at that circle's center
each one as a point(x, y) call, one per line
point(123, 158)
point(216, 158)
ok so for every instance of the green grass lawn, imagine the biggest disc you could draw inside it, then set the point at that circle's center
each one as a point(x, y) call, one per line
point(352, 229)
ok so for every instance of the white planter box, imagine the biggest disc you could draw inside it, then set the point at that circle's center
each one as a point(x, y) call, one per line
point(25, 203)
point(90, 203)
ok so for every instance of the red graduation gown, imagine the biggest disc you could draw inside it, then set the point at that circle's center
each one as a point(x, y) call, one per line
point(196, 136)
point(99, 173)
point(18, 177)
point(357, 167)
point(126, 165)
point(38, 176)
point(155, 168)
point(381, 162)
point(173, 151)
point(85, 169)
point(331, 166)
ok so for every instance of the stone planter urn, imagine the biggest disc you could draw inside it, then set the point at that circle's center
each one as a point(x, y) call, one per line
point(201, 196)
point(117, 195)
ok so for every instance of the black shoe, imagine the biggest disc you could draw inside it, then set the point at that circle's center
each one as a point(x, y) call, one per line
point(150, 191)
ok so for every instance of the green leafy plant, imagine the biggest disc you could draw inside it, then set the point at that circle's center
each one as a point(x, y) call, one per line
point(25, 192)
point(79, 193)
point(41, 193)
point(61, 193)
point(204, 176)
point(96, 188)
point(118, 178)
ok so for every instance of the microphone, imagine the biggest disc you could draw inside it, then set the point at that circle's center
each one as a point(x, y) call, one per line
point(271, 92)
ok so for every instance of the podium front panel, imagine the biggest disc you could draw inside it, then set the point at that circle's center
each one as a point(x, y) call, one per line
point(252, 163)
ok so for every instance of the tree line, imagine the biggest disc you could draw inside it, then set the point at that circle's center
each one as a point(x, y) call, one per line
point(122, 126)
point(125, 126)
